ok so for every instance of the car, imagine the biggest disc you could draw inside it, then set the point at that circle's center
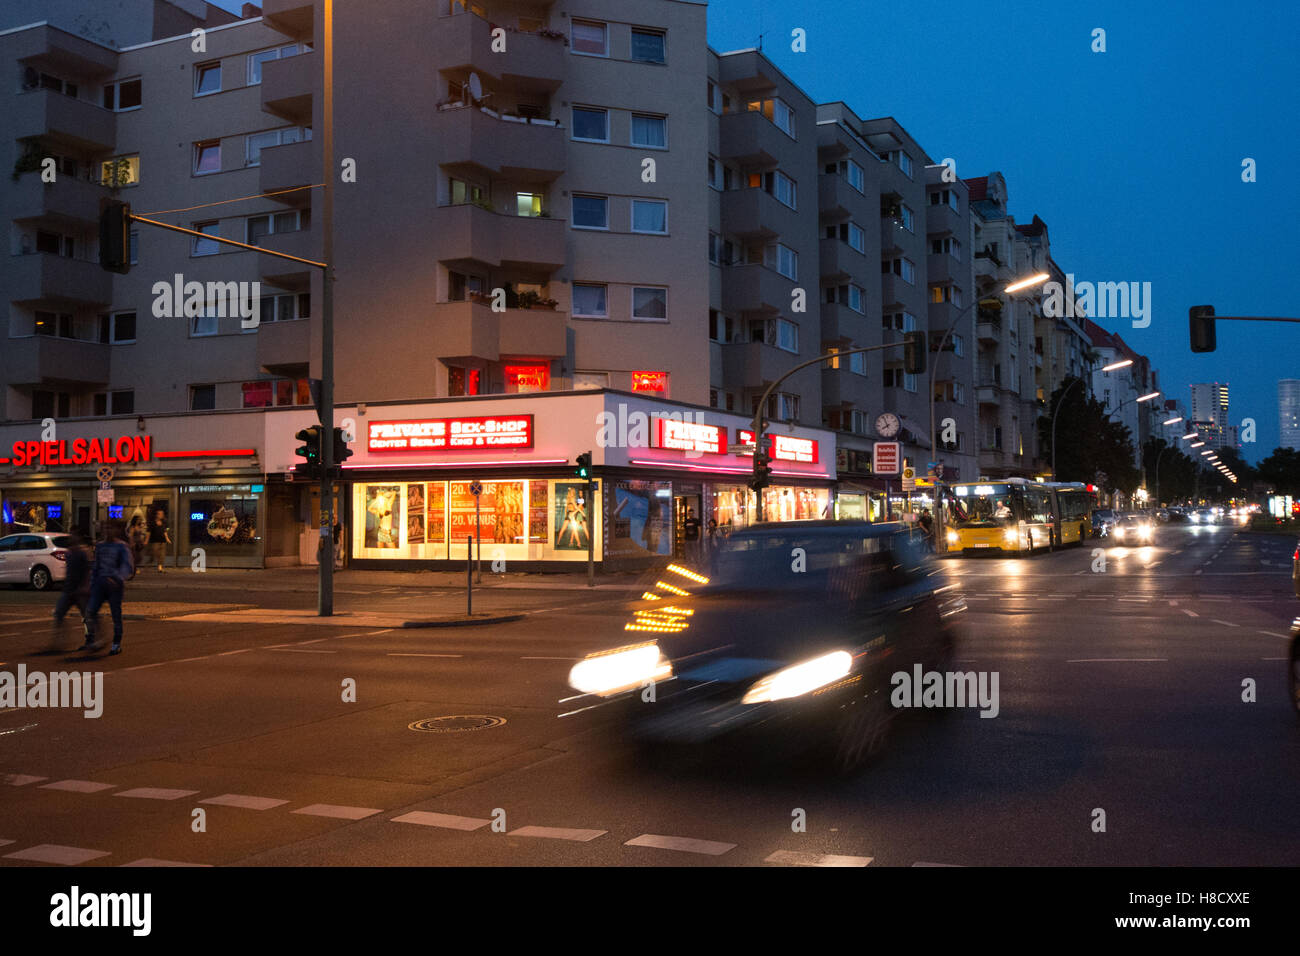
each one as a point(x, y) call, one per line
point(1293, 663)
point(1133, 529)
point(1178, 516)
point(1162, 514)
point(1102, 519)
point(790, 637)
point(1204, 516)
point(36, 559)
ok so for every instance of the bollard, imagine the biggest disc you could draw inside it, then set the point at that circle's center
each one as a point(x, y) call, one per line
point(469, 575)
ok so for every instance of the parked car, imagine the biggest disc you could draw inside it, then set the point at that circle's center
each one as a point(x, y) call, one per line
point(35, 559)
point(1102, 519)
point(789, 638)
point(1293, 666)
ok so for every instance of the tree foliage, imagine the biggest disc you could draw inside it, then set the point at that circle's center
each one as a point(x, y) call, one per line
point(1090, 446)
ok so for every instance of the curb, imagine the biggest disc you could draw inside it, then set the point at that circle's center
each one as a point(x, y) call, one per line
point(466, 622)
point(160, 615)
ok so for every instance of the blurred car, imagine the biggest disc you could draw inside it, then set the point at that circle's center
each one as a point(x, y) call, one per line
point(1293, 664)
point(1133, 529)
point(1102, 519)
point(1178, 516)
point(789, 637)
point(36, 559)
point(1162, 514)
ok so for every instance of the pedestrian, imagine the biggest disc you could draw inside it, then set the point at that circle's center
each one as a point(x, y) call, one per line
point(158, 540)
point(113, 568)
point(926, 524)
point(338, 546)
point(691, 534)
point(137, 536)
point(76, 584)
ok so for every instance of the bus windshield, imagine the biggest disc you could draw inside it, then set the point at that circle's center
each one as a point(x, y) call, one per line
point(983, 506)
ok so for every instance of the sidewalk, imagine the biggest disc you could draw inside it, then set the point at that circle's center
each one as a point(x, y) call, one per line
point(305, 579)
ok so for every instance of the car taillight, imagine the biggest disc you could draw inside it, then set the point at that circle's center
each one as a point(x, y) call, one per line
point(1296, 556)
point(59, 555)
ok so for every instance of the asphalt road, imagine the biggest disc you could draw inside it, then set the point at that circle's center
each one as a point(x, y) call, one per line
point(1121, 690)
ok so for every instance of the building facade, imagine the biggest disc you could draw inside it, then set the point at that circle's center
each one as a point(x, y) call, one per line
point(1288, 412)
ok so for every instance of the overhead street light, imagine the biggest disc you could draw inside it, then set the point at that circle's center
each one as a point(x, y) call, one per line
point(1036, 279)
point(1147, 397)
point(1191, 435)
point(1197, 444)
point(1114, 365)
point(1172, 421)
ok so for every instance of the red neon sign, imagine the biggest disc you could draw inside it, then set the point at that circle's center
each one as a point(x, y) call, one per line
point(451, 434)
point(649, 381)
point(128, 449)
point(782, 447)
point(528, 378)
point(689, 436)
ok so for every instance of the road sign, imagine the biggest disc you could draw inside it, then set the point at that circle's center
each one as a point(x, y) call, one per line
point(104, 496)
point(886, 457)
point(104, 474)
point(476, 488)
point(909, 479)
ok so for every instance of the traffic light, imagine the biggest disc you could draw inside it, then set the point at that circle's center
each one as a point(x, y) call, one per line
point(914, 349)
point(309, 450)
point(341, 450)
point(762, 476)
point(1200, 322)
point(583, 469)
point(115, 236)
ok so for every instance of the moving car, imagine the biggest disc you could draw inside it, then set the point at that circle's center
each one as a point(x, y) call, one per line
point(790, 636)
point(1204, 516)
point(1293, 664)
point(1102, 519)
point(1133, 529)
point(36, 559)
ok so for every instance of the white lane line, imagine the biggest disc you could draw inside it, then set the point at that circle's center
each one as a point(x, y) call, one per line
point(798, 858)
point(150, 861)
point(78, 786)
point(446, 821)
point(396, 654)
point(242, 650)
point(182, 660)
point(954, 865)
point(1272, 658)
point(550, 658)
point(684, 844)
point(316, 641)
point(1173, 603)
point(7, 842)
point(21, 779)
point(1189, 613)
point(1225, 623)
point(1118, 660)
point(338, 812)
point(559, 833)
point(54, 853)
point(1273, 634)
point(301, 650)
point(156, 793)
point(244, 801)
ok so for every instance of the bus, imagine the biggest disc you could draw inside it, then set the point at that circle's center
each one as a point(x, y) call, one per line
point(1016, 515)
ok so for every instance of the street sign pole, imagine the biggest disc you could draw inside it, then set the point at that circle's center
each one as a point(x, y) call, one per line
point(325, 596)
point(591, 533)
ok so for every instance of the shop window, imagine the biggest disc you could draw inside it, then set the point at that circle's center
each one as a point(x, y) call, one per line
point(257, 394)
point(463, 381)
point(203, 397)
point(527, 378)
point(124, 402)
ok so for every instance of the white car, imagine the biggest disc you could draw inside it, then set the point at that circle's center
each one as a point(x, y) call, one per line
point(37, 559)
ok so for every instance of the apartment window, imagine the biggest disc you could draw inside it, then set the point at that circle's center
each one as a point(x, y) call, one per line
point(907, 217)
point(276, 137)
point(120, 171)
point(275, 223)
point(901, 160)
point(858, 363)
point(715, 249)
point(284, 307)
point(51, 404)
point(946, 293)
point(207, 78)
point(649, 131)
point(590, 212)
point(589, 300)
point(857, 239)
point(958, 346)
point(207, 157)
point(948, 197)
point(783, 259)
point(783, 188)
point(903, 268)
point(45, 323)
point(899, 321)
point(122, 95)
point(647, 46)
point(776, 110)
point(591, 125)
point(949, 245)
point(589, 37)
point(255, 60)
point(123, 403)
point(711, 97)
point(206, 247)
point(853, 173)
point(715, 173)
point(203, 398)
point(787, 407)
point(47, 81)
point(857, 299)
point(100, 404)
point(650, 215)
point(55, 244)
point(649, 303)
point(205, 324)
point(121, 328)
point(462, 192)
point(134, 255)
point(528, 204)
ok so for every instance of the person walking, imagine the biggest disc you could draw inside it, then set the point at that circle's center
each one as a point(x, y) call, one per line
point(76, 585)
point(691, 535)
point(137, 536)
point(113, 568)
point(158, 541)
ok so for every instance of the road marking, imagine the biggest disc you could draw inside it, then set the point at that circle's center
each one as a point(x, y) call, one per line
point(78, 786)
point(156, 793)
point(1273, 634)
point(183, 660)
point(1189, 613)
point(1272, 658)
point(150, 861)
point(1173, 603)
point(684, 844)
point(550, 658)
point(7, 842)
point(797, 858)
point(21, 779)
point(1225, 623)
point(242, 650)
point(246, 802)
point(17, 730)
point(396, 654)
point(54, 853)
point(447, 821)
point(955, 865)
point(342, 813)
point(559, 833)
point(1118, 660)
point(301, 650)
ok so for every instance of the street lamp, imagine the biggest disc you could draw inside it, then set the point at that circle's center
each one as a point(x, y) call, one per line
point(1172, 421)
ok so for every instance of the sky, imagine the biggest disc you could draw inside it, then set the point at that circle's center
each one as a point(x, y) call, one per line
point(1132, 156)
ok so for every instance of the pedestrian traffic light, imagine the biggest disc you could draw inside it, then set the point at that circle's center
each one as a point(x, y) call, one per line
point(1200, 321)
point(762, 476)
point(914, 349)
point(341, 450)
point(583, 469)
point(115, 236)
point(309, 450)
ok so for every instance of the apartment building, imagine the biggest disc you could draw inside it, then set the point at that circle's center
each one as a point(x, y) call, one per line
point(1120, 389)
point(1288, 412)
point(1210, 415)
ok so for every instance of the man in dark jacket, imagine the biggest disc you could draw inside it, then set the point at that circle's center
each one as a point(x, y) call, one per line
point(76, 585)
point(113, 568)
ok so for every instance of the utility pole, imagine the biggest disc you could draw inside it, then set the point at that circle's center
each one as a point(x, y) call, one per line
point(325, 596)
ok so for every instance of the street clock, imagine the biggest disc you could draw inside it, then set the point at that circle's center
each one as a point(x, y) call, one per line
point(887, 425)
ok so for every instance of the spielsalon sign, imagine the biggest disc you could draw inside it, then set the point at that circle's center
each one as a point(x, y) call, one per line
point(129, 449)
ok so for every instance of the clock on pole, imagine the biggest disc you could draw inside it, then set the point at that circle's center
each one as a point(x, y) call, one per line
point(887, 425)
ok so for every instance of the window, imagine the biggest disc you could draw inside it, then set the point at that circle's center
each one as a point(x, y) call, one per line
point(120, 171)
point(207, 157)
point(590, 124)
point(51, 404)
point(907, 217)
point(205, 324)
point(462, 192)
point(647, 46)
point(48, 81)
point(257, 142)
point(589, 37)
point(123, 403)
point(947, 197)
point(650, 215)
point(122, 95)
point(589, 300)
point(715, 249)
point(462, 381)
point(904, 268)
point(958, 346)
point(649, 131)
point(711, 97)
point(787, 335)
point(55, 243)
point(649, 303)
point(946, 293)
point(206, 247)
point(284, 307)
point(901, 160)
point(783, 188)
point(857, 299)
point(590, 212)
point(715, 173)
point(857, 238)
point(257, 394)
point(899, 321)
point(203, 398)
point(858, 363)
point(528, 204)
point(207, 78)
point(777, 111)
point(135, 249)
point(274, 223)
point(783, 259)
point(121, 328)
point(587, 380)
point(255, 60)
point(852, 172)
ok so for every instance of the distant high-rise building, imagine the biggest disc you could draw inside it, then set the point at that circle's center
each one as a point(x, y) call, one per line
point(1288, 412)
point(1210, 414)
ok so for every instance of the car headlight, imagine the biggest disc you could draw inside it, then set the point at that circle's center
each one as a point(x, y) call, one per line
point(620, 670)
point(1118, 531)
point(800, 678)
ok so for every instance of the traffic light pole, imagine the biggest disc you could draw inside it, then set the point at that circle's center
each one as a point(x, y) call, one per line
point(325, 596)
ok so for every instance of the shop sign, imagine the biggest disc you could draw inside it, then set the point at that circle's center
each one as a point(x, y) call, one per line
point(128, 449)
point(451, 434)
point(781, 447)
point(649, 381)
point(689, 436)
point(886, 457)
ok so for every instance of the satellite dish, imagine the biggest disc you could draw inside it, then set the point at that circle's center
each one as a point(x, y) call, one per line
point(475, 87)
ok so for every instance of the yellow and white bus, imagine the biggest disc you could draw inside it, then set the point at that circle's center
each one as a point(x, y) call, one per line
point(1016, 515)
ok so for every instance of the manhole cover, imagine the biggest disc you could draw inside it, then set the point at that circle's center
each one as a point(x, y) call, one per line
point(451, 725)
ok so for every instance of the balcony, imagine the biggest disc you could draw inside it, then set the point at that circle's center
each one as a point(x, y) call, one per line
point(895, 292)
point(289, 166)
point(839, 262)
point(295, 18)
point(942, 220)
point(63, 120)
point(755, 288)
point(284, 347)
point(986, 395)
point(43, 278)
point(836, 199)
point(751, 139)
point(471, 330)
point(303, 243)
point(988, 333)
point(463, 42)
point(288, 86)
point(842, 324)
point(68, 200)
point(533, 151)
point(45, 360)
point(892, 236)
point(749, 364)
point(944, 314)
point(754, 214)
point(941, 267)
point(466, 234)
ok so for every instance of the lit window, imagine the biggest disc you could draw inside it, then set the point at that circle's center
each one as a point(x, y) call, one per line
point(120, 171)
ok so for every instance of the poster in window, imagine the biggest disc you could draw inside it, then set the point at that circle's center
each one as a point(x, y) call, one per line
point(465, 522)
point(537, 512)
point(436, 527)
point(383, 516)
point(415, 513)
point(508, 520)
point(572, 525)
point(641, 519)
